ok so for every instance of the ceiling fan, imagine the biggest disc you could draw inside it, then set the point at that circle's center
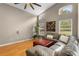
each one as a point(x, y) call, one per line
point(30, 4)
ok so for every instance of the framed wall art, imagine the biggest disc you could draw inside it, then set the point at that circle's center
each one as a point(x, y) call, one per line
point(51, 26)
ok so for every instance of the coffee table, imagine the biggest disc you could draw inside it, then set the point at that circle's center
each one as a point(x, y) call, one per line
point(44, 42)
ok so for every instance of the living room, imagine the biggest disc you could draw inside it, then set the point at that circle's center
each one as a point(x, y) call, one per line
point(23, 26)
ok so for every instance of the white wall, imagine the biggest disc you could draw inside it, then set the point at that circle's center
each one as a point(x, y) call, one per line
point(13, 20)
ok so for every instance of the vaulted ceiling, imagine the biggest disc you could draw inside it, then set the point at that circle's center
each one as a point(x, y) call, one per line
point(37, 10)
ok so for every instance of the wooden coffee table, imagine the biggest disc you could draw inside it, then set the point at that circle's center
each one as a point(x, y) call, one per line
point(44, 42)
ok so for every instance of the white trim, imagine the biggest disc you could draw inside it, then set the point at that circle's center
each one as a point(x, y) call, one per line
point(78, 22)
point(12, 43)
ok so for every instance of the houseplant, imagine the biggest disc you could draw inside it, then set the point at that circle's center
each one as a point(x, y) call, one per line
point(36, 29)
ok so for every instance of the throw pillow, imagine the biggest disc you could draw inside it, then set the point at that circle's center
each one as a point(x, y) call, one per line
point(49, 36)
point(64, 39)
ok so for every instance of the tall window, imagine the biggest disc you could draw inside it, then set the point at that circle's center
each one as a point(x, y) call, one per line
point(65, 10)
point(65, 27)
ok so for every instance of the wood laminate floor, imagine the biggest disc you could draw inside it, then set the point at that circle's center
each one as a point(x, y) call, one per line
point(17, 49)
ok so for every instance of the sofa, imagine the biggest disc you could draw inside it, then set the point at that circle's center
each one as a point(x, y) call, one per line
point(65, 46)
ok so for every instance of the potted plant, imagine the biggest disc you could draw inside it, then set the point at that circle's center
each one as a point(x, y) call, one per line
point(36, 29)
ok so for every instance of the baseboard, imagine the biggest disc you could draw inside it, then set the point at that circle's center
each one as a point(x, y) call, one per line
point(12, 43)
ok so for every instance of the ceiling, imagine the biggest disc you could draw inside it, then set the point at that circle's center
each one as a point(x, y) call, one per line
point(36, 11)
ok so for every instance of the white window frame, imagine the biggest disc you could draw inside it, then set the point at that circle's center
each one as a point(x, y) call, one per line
point(65, 7)
point(71, 26)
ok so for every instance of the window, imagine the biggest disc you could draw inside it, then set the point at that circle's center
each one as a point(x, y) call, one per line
point(65, 10)
point(65, 27)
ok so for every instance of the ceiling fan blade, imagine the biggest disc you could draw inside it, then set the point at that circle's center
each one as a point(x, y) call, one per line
point(25, 6)
point(31, 6)
point(16, 3)
point(36, 4)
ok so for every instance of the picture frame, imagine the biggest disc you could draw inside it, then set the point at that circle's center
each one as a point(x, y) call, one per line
point(51, 26)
